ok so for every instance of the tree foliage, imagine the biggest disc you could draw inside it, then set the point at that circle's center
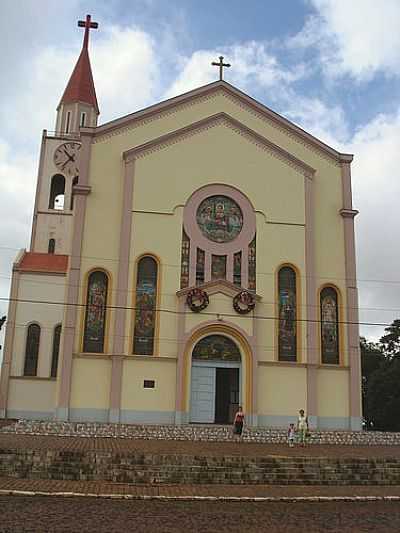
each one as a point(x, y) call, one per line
point(380, 364)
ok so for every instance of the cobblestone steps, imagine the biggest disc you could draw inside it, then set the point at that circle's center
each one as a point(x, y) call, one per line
point(191, 432)
point(142, 468)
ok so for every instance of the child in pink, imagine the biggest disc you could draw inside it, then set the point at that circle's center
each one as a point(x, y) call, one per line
point(291, 435)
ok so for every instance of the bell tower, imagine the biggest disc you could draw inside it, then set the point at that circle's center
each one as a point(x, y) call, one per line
point(78, 106)
point(60, 156)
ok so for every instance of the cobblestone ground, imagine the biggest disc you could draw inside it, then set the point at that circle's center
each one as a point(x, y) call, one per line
point(236, 491)
point(12, 441)
point(84, 515)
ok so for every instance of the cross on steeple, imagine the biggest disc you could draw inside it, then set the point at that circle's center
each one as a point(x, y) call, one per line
point(221, 65)
point(87, 24)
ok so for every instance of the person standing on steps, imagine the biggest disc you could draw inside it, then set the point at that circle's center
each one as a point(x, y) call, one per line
point(238, 423)
point(291, 435)
point(302, 427)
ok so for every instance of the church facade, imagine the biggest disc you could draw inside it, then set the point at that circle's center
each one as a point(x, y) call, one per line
point(187, 258)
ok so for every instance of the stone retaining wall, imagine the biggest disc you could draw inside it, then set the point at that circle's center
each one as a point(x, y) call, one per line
point(197, 433)
point(142, 468)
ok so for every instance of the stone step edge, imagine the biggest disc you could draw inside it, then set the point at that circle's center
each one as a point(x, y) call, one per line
point(7, 492)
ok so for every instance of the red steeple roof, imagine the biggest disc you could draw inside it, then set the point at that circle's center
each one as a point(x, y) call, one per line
point(80, 87)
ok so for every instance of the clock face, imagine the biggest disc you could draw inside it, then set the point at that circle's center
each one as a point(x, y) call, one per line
point(66, 158)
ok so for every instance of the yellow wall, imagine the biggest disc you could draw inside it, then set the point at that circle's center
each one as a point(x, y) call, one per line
point(135, 397)
point(165, 179)
point(37, 288)
point(91, 380)
point(31, 395)
point(282, 391)
point(163, 182)
point(333, 392)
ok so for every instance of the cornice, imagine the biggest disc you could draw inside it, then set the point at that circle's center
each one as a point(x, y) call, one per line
point(348, 213)
point(220, 119)
point(83, 190)
point(217, 286)
point(210, 91)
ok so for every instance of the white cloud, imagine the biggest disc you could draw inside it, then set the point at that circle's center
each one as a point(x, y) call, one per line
point(357, 37)
point(126, 71)
point(376, 190)
point(128, 75)
point(326, 123)
point(17, 182)
point(254, 68)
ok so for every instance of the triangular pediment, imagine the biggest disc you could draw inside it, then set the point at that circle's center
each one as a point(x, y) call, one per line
point(207, 91)
point(224, 120)
point(220, 286)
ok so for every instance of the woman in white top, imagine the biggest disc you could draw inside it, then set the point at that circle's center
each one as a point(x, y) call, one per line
point(302, 427)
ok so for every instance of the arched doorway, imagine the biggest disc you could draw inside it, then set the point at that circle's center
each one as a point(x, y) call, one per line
point(215, 380)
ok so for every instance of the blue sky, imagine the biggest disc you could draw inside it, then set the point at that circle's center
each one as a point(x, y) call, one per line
point(331, 66)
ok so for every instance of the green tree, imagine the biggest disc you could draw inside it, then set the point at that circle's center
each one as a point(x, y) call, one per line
point(372, 358)
point(380, 364)
point(391, 341)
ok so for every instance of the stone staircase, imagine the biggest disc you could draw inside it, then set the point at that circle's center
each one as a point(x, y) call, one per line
point(147, 468)
point(196, 432)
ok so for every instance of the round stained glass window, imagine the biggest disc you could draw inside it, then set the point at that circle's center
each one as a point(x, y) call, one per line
point(219, 218)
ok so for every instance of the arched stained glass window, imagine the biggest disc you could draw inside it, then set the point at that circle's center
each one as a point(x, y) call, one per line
point(329, 326)
point(218, 267)
point(56, 350)
point(146, 300)
point(200, 266)
point(252, 265)
point(185, 254)
point(237, 268)
point(95, 320)
point(216, 347)
point(287, 336)
point(32, 350)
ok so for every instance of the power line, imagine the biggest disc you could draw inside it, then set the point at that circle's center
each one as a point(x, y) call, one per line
point(164, 339)
point(264, 302)
point(204, 313)
point(261, 273)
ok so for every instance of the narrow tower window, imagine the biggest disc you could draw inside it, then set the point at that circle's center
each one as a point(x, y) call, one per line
point(74, 182)
point(83, 119)
point(52, 246)
point(68, 122)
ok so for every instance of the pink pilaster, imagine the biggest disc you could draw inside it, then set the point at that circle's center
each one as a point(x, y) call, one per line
point(8, 344)
point(73, 281)
point(353, 334)
point(38, 189)
point(122, 292)
point(311, 303)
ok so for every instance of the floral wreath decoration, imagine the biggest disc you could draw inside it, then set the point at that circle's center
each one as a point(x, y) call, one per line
point(244, 302)
point(197, 300)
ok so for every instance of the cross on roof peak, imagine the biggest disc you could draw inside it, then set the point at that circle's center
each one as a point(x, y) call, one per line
point(221, 65)
point(88, 25)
